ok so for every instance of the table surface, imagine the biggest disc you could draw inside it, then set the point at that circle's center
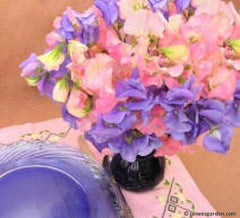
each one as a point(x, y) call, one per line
point(22, 30)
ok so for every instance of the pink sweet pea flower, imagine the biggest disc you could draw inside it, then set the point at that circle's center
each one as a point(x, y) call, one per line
point(76, 51)
point(175, 22)
point(78, 104)
point(98, 73)
point(117, 49)
point(222, 84)
point(105, 102)
point(235, 64)
point(52, 39)
point(155, 124)
point(175, 71)
point(145, 22)
point(170, 147)
point(128, 7)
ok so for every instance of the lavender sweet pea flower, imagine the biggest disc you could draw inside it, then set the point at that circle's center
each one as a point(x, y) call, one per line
point(177, 123)
point(46, 85)
point(182, 5)
point(188, 123)
point(101, 133)
point(233, 113)
point(219, 140)
point(131, 88)
point(237, 90)
point(232, 116)
point(203, 115)
point(29, 67)
point(179, 96)
point(212, 110)
point(109, 10)
point(146, 105)
point(67, 30)
point(72, 120)
point(110, 126)
point(121, 117)
point(132, 143)
point(158, 5)
point(89, 28)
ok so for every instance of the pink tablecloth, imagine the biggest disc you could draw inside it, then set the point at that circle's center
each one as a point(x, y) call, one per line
point(176, 197)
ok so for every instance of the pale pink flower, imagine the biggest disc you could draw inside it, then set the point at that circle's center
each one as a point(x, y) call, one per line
point(117, 49)
point(175, 22)
point(76, 70)
point(105, 102)
point(128, 7)
point(145, 22)
point(175, 71)
point(155, 124)
point(222, 84)
point(76, 51)
point(57, 22)
point(98, 73)
point(52, 39)
point(78, 104)
point(170, 147)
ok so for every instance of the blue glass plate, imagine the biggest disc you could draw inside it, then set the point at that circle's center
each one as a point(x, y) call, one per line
point(45, 180)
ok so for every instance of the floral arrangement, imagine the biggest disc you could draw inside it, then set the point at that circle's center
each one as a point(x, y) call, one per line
point(142, 75)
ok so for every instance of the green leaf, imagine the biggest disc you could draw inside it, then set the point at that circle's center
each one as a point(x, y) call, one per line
point(166, 182)
point(193, 207)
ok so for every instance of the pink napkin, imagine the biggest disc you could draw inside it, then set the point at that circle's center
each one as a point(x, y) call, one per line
point(177, 196)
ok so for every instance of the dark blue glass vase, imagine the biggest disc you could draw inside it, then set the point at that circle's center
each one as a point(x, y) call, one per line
point(141, 175)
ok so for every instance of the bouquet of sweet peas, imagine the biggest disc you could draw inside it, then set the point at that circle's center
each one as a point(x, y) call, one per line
point(142, 75)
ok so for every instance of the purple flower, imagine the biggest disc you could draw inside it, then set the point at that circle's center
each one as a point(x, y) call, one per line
point(161, 5)
point(109, 10)
point(67, 30)
point(131, 88)
point(218, 140)
point(121, 117)
point(132, 143)
point(188, 123)
point(29, 67)
point(237, 90)
point(46, 85)
point(146, 105)
point(180, 96)
point(212, 111)
point(233, 113)
point(110, 126)
point(232, 116)
point(89, 28)
point(101, 133)
point(182, 5)
point(63, 69)
point(72, 120)
point(177, 123)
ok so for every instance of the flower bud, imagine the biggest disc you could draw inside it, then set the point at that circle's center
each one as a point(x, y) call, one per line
point(176, 52)
point(235, 45)
point(79, 104)
point(32, 81)
point(53, 59)
point(60, 91)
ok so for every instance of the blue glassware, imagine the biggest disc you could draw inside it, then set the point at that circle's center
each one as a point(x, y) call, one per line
point(45, 180)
